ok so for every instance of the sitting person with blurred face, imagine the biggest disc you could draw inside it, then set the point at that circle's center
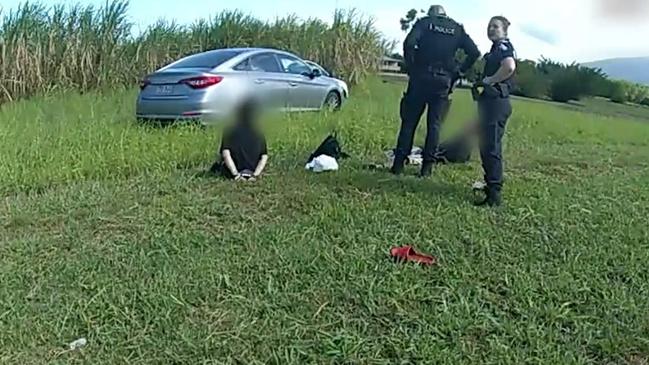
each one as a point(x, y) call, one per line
point(243, 152)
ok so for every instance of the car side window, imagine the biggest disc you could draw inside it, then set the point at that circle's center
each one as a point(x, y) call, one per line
point(265, 62)
point(294, 66)
point(243, 66)
point(323, 71)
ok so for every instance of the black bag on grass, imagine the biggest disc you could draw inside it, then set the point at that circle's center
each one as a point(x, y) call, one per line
point(329, 147)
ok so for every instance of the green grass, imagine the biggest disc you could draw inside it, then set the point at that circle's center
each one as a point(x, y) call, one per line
point(108, 233)
point(601, 106)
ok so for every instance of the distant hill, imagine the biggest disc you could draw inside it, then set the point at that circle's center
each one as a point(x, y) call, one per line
point(629, 69)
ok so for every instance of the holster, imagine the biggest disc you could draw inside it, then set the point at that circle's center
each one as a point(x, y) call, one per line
point(500, 90)
point(504, 90)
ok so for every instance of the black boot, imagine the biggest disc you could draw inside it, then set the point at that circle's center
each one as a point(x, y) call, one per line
point(398, 166)
point(493, 199)
point(426, 170)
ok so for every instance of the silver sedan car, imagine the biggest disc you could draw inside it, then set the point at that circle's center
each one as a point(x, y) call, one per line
point(210, 86)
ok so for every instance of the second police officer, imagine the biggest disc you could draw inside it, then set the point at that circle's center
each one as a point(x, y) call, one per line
point(495, 107)
point(429, 51)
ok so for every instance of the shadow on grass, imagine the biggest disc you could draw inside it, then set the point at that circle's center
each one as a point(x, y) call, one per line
point(352, 177)
point(382, 182)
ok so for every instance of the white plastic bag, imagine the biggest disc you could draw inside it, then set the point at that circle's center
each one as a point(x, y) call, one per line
point(322, 163)
point(479, 186)
point(78, 344)
point(415, 158)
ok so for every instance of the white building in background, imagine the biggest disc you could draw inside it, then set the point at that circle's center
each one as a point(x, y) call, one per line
point(389, 64)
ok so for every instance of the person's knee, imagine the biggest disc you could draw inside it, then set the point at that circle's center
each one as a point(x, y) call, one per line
point(216, 168)
point(410, 108)
point(488, 136)
point(446, 108)
point(407, 128)
point(489, 145)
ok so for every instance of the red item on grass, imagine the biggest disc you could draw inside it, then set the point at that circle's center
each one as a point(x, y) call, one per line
point(408, 254)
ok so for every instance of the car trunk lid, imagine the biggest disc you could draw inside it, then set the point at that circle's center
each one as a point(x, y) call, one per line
point(171, 83)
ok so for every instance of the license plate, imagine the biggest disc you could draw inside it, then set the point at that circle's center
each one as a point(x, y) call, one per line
point(164, 89)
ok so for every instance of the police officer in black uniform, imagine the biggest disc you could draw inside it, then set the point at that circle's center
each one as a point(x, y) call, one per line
point(429, 52)
point(494, 107)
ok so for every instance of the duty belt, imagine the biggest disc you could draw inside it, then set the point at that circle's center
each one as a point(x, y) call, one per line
point(499, 90)
point(437, 70)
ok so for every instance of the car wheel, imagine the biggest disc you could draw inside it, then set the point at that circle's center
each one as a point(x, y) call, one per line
point(333, 101)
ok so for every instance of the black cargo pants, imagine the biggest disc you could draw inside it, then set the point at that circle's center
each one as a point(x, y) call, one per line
point(424, 90)
point(494, 113)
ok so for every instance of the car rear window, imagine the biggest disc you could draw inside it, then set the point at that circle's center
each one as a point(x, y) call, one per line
point(206, 60)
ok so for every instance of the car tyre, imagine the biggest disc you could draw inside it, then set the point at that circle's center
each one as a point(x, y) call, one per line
point(333, 102)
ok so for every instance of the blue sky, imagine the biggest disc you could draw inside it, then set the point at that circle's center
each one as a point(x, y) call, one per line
point(558, 29)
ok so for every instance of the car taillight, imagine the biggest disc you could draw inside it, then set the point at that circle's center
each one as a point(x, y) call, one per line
point(202, 82)
point(144, 84)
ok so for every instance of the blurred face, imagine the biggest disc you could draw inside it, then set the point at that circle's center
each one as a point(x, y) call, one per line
point(496, 30)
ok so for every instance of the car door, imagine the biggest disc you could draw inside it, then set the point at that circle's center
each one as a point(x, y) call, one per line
point(304, 92)
point(268, 81)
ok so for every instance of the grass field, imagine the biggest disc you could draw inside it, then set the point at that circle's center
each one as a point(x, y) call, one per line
point(108, 232)
point(603, 106)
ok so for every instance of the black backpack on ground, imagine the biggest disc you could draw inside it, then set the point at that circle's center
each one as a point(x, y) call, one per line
point(329, 147)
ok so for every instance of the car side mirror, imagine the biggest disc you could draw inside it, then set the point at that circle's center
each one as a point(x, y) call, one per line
point(315, 73)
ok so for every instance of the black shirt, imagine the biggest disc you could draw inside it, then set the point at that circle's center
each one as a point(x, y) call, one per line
point(246, 145)
point(499, 51)
point(434, 41)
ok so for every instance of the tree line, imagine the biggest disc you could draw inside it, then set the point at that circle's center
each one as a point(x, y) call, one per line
point(551, 80)
point(560, 82)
